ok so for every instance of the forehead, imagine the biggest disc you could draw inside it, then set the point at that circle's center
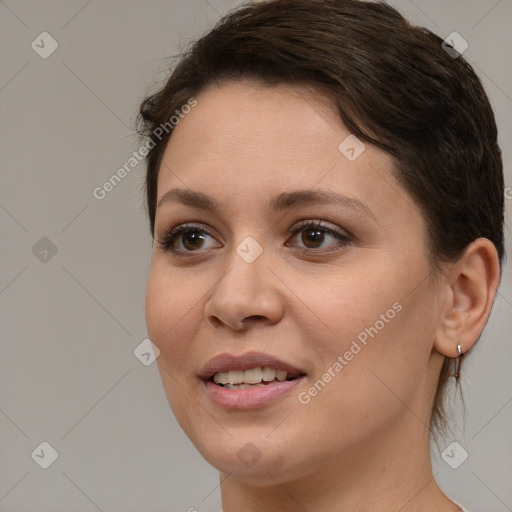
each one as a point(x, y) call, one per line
point(244, 141)
point(245, 111)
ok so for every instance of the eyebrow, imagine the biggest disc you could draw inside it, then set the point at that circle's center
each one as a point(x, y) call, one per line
point(283, 201)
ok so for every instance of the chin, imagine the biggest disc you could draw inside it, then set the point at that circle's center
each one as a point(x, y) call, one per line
point(252, 455)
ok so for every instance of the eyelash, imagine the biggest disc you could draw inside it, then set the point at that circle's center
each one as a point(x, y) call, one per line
point(167, 242)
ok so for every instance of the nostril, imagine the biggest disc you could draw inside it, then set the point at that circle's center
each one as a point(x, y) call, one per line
point(216, 322)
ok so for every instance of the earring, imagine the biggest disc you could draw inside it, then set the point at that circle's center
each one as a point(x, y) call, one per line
point(457, 362)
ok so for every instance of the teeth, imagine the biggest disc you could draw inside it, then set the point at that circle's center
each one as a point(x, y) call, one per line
point(281, 375)
point(236, 377)
point(253, 376)
point(221, 378)
point(268, 374)
point(243, 386)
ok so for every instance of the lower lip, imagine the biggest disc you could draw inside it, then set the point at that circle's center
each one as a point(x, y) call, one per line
point(249, 398)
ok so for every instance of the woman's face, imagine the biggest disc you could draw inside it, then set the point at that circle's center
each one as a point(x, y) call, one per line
point(302, 254)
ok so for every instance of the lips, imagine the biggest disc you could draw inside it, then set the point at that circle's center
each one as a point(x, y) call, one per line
point(225, 363)
point(242, 383)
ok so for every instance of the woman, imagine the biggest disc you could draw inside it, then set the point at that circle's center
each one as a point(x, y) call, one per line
point(325, 192)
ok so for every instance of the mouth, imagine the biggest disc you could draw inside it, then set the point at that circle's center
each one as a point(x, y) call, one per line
point(249, 381)
point(252, 378)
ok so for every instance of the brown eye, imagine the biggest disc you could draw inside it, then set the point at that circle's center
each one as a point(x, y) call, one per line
point(192, 240)
point(312, 238)
point(315, 236)
point(185, 239)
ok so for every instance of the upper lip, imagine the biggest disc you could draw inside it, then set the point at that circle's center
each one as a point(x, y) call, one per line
point(226, 362)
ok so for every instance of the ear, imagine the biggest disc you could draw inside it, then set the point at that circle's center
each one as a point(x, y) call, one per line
point(469, 291)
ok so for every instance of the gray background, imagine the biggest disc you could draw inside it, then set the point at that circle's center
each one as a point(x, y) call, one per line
point(70, 321)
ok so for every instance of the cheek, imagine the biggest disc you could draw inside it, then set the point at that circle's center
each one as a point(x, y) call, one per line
point(171, 313)
point(383, 368)
point(381, 320)
point(159, 302)
point(172, 318)
point(349, 301)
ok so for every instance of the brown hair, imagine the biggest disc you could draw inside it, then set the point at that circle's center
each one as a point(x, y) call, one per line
point(394, 85)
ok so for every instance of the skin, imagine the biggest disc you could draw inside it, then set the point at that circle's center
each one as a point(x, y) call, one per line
point(362, 443)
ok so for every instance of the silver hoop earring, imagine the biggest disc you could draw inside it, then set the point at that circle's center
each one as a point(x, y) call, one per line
point(457, 362)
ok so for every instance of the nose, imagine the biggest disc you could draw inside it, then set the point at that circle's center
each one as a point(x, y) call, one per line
point(247, 294)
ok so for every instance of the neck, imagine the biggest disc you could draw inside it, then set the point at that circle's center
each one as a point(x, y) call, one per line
point(389, 472)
